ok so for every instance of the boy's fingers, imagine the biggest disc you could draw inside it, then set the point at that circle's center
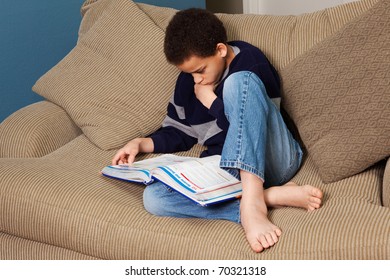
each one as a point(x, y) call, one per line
point(131, 159)
point(114, 160)
point(118, 156)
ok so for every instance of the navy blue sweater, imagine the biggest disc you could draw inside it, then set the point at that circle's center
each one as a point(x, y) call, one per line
point(189, 122)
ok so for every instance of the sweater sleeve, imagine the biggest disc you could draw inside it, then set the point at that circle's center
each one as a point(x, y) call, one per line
point(170, 140)
point(217, 111)
point(175, 134)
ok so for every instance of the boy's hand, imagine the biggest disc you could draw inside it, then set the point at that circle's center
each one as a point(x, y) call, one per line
point(127, 154)
point(205, 94)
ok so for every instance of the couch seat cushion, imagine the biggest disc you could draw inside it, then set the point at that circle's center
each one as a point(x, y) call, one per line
point(62, 200)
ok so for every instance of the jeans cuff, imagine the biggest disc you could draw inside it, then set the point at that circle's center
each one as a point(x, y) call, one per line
point(234, 167)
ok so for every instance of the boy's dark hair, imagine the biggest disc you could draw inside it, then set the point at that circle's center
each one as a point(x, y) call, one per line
point(193, 32)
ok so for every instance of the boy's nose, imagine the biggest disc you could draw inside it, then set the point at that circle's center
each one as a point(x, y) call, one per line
point(198, 79)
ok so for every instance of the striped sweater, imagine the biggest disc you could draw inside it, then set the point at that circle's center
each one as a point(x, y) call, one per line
point(188, 122)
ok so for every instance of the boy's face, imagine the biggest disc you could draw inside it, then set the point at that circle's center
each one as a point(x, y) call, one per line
point(206, 70)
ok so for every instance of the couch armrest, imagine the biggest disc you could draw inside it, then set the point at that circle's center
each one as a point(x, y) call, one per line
point(36, 130)
point(386, 185)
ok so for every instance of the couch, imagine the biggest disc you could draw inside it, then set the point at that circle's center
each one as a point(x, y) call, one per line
point(115, 85)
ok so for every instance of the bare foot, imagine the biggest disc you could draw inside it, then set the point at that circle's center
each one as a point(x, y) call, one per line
point(290, 194)
point(260, 232)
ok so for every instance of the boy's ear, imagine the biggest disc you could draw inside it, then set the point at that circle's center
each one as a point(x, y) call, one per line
point(222, 49)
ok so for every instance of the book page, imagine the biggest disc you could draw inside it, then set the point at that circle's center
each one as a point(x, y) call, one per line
point(167, 159)
point(200, 179)
point(199, 174)
point(128, 173)
point(140, 171)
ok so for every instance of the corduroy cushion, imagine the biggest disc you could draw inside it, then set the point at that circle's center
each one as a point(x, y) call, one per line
point(115, 84)
point(386, 185)
point(338, 95)
point(63, 202)
point(283, 38)
point(45, 128)
point(16, 248)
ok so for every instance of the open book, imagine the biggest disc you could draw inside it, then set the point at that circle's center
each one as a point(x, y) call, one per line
point(199, 179)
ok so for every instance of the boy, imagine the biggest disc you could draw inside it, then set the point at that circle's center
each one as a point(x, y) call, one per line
point(223, 99)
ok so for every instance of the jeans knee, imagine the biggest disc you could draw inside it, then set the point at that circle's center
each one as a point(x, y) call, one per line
point(153, 201)
point(244, 86)
point(234, 85)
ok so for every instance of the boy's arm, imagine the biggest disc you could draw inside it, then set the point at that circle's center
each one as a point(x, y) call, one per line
point(207, 96)
point(171, 139)
point(127, 154)
point(175, 133)
point(218, 112)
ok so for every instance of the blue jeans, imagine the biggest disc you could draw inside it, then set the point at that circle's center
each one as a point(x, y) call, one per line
point(257, 141)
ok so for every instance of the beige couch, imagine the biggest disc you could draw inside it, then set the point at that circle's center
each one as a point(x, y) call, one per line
point(114, 86)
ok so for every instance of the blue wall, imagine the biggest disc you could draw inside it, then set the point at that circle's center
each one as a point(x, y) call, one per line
point(34, 36)
point(177, 4)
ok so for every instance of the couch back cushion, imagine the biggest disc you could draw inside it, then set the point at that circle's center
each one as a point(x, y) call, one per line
point(386, 185)
point(283, 38)
point(115, 84)
point(338, 94)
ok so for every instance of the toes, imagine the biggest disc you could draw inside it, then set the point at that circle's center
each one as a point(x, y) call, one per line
point(315, 199)
point(316, 193)
point(259, 248)
point(256, 245)
point(315, 202)
point(264, 242)
point(270, 239)
point(274, 237)
point(313, 206)
point(313, 191)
